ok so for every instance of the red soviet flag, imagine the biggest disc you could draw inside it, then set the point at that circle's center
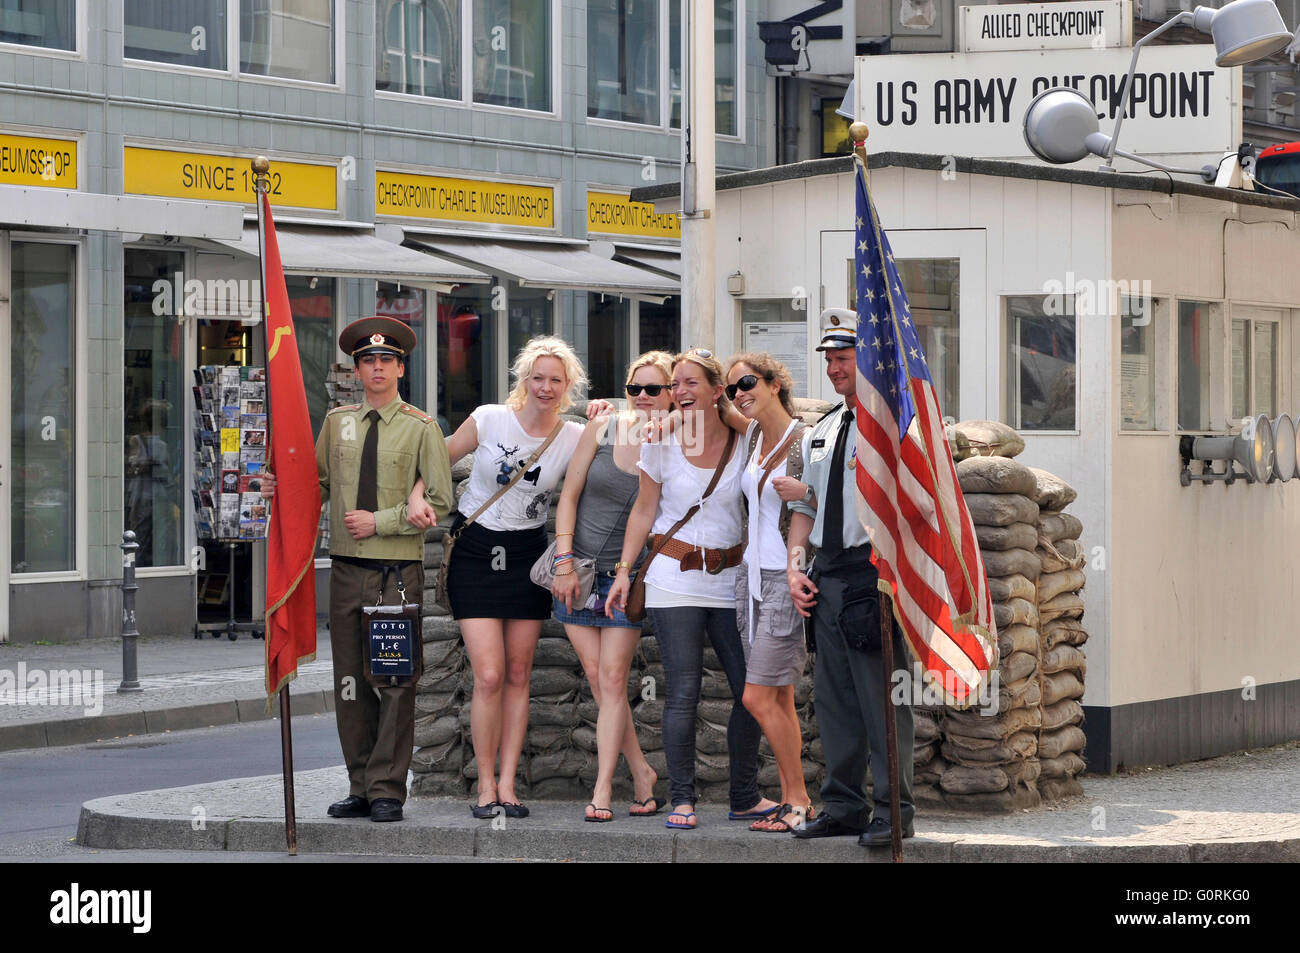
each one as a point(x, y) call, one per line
point(295, 513)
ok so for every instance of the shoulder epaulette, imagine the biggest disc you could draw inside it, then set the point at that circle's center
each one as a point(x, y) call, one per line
point(416, 412)
point(335, 410)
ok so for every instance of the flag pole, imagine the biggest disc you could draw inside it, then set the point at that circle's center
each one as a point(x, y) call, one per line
point(858, 132)
point(261, 166)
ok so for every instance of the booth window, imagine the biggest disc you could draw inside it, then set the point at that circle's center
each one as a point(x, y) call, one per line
point(51, 24)
point(623, 60)
point(1143, 381)
point(409, 305)
point(1200, 363)
point(1254, 362)
point(512, 53)
point(609, 321)
point(778, 326)
point(726, 67)
point(155, 401)
point(419, 47)
point(180, 32)
point(287, 39)
point(43, 383)
point(835, 130)
point(1042, 369)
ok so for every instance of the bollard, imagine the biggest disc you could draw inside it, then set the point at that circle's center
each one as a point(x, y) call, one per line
point(130, 680)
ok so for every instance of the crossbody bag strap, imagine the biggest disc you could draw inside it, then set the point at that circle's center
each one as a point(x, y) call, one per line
point(717, 475)
point(527, 465)
point(778, 457)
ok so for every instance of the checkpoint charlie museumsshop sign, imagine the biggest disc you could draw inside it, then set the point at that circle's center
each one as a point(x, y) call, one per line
point(1046, 26)
point(973, 104)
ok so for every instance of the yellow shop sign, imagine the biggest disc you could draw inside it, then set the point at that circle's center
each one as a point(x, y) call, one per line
point(45, 163)
point(210, 178)
point(464, 200)
point(615, 214)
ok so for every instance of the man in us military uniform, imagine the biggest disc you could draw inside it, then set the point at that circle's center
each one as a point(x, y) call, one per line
point(369, 457)
point(839, 592)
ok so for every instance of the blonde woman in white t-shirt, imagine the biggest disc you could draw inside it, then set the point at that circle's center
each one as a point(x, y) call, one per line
point(685, 601)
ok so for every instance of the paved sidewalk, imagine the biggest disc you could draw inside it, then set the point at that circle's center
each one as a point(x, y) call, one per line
point(1239, 808)
point(186, 682)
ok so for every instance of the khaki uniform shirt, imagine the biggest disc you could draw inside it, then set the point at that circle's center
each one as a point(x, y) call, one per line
point(410, 446)
point(818, 448)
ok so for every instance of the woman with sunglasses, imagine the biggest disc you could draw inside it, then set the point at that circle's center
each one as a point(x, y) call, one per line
point(600, 487)
point(770, 626)
point(690, 585)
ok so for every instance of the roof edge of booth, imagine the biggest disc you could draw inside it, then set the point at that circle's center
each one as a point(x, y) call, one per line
point(129, 214)
point(413, 233)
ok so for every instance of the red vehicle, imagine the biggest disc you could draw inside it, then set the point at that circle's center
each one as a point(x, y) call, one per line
point(1278, 167)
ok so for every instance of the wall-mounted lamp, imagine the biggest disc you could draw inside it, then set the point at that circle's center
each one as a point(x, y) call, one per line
point(1284, 447)
point(1061, 125)
point(1253, 449)
point(736, 283)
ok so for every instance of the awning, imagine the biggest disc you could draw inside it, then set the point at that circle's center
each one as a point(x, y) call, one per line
point(355, 253)
point(64, 208)
point(539, 265)
point(667, 261)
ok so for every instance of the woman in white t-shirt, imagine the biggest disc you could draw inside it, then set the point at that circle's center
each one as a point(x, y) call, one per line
point(690, 584)
point(770, 626)
point(499, 608)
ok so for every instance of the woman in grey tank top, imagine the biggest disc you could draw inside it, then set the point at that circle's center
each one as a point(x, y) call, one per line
point(600, 487)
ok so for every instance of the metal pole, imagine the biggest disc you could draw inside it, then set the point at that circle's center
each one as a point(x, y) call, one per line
point(261, 166)
point(130, 677)
point(699, 284)
point(891, 725)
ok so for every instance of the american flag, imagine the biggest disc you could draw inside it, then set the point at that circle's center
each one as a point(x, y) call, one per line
point(922, 536)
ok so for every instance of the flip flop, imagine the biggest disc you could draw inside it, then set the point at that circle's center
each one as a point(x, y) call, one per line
point(752, 815)
point(800, 814)
point(594, 817)
point(657, 804)
point(682, 826)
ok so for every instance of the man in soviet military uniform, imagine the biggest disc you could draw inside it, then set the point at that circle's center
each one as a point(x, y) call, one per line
point(849, 689)
point(369, 457)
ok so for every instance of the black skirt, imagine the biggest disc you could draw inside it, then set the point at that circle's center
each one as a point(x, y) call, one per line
point(488, 577)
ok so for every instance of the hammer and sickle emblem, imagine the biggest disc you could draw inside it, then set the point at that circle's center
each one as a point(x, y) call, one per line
point(282, 331)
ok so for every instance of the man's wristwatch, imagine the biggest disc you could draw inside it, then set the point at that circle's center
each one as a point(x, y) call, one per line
point(807, 497)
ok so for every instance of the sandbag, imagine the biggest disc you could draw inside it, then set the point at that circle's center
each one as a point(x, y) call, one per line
point(1063, 631)
point(1017, 638)
point(1018, 797)
point(561, 714)
point(1014, 612)
point(923, 755)
point(1054, 526)
point(1062, 554)
point(1002, 588)
point(1061, 686)
point(1050, 492)
point(1066, 604)
point(988, 438)
point(446, 654)
point(1023, 694)
point(555, 652)
point(446, 756)
point(1053, 744)
point(1052, 584)
point(1012, 562)
point(962, 750)
point(552, 680)
point(556, 764)
point(1016, 666)
point(439, 628)
point(1001, 509)
point(1065, 658)
point(552, 738)
point(1059, 790)
point(1014, 536)
point(924, 728)
point(649, 712)
point(584, 737)
point(1066, 766)
point(960, 779)
point(433, 730)
point(1068, 712)
point(981, 474)
point(971, 724)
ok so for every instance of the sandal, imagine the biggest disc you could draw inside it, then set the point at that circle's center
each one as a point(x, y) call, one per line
point(594, 817)
point(654, 804)
point(683, 824)
point(780, 825)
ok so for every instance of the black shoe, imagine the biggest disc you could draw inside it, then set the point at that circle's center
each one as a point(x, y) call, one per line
point(350, 806)
point(486, 811)
point(514, 809)
point(878, 833)
point(385, 809)
point(825, 826)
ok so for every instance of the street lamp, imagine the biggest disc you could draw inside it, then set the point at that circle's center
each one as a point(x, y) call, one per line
point(1061, 125)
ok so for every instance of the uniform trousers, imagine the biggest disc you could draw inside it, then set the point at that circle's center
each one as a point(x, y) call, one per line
point(376, 726)
point(849, 696)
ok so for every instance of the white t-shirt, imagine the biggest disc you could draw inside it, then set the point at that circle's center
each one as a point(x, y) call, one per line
point(504, 445)
point(715, 526)
point(766, 549)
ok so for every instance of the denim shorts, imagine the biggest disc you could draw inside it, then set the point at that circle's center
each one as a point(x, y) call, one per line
point(583, 616)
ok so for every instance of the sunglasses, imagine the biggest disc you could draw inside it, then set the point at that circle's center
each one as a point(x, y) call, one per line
point(654, 390)
point(702, 352)
point(748, 382)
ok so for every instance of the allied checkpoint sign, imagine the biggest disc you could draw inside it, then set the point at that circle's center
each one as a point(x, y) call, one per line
point(1093, 24)
point(973, 104)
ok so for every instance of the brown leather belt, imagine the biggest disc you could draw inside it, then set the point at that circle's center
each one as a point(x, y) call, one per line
point(712, 561)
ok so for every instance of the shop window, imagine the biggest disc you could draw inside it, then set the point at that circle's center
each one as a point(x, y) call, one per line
point(1042, 370)
point(659, 326)
point(287, 39)
point(1143, 380)
point(467, 360)
point(409, 305)
point(155, 400)
point(1254, 362)
point(43, 375)
point(778, 326)
point(512, 53)
point(726, 66)
point(835, 129)
point(608, 338)
point(51, 24)
point(530, 316)
point(311, 301)
point(1200, 363)
point(419, 47)
point(181, 32)
point(623, 60)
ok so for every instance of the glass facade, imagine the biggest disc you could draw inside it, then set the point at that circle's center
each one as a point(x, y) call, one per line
point(418, 47)
point(51, 24)
point(512, 53)
point(726, 117)
point(288, 39)
point(181, 32)
point(623, 60)
point(43, 374)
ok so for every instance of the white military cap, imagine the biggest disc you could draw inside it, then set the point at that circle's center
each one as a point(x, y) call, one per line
point(839, 329)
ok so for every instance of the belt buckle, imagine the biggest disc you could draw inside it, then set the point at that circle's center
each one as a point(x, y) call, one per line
point(722, 562)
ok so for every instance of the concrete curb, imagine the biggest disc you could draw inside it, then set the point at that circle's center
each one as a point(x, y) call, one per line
point(89, 729)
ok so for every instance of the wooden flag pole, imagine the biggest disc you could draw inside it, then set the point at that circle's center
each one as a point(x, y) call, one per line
point(261, 166)
point(858, 132)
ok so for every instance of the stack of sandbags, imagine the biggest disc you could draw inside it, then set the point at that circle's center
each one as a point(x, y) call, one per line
point(1061, 636)
point(991, 754)
point(648, 693)
point(551, 762)
point(440, 754)
point(928, 765)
